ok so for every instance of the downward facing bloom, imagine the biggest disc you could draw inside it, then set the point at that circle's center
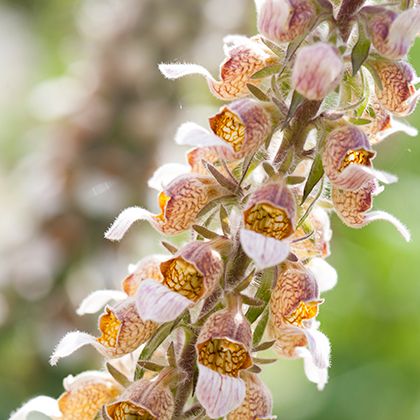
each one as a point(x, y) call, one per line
point(238, 130)
point(187, 278)
point(243, 59)
point(284, 20)
point(123, 331)
point(392, 34)
point(269, 218)
point(347, 159)
point(84, 396)
point(145, 400)
point(223, 349)
point(180, 202)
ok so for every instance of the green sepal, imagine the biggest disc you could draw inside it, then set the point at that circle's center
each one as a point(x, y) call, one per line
point(373, 73)
point(287, 162)
point(254, 369)
point(267, 71)
point(315, 174)
point(358, 121)
point(204, 232)
point(258, 93)
point(273, 47)
point(224, 220)
point(171, 248)
point(170, 355)
point(297, 101)
point(360, 51)
point(221, 179)
point(245, 282)
point(215, 202)
point(295, 180)
point(262, 361)
point(118, 376)
point(250, 301)
point(260, 328)
point(153, 367)
point(264, 346)
point(269, 170)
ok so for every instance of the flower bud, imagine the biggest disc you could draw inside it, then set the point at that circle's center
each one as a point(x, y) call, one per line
point(284, 20)
point(123, 331)
point(180, 202)
point(145, 399)
point(189, 277)
point(317, 71)
point(347, 159)
point(392, 34)
point(398, 94)
point(85, 394)
point(245, 58)
point(257, 403)
point(223, 349)
point(269, 218)
point(295, 298)
point(352, 207)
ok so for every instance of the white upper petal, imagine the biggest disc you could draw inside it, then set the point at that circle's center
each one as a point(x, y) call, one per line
point(158, 303)
point(177, 70)
point(382, 215)
point(325, 274)
point(265, 251)
point(319, 346)
point(313, 373)
point(218, 394)
point(42, 404)
point(165, 174)
point(98, 299)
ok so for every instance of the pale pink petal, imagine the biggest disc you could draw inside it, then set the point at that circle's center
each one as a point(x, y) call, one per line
point(403, 31)
point(354, 177)
point(319, 346)
point(42, 404)
point(265, 251)
point(98, 299)
point(177, 70)
point(72, 341)
point(218, 394)
point(313, 373)
point(193, 134)
point(125, 219)
point(158, 303)
point(325, 274)
point(395, 127)
point(382, 215)
point(165, 174)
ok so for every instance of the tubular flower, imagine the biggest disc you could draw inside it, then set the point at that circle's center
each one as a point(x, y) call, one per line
point(180, 202)
point(398, 95)
point(239, 130)
point(318, 244)
point(123, 331)
point(351, 208)
point(269, 218)
point(243, 59)
point(85, 394)
point(317, 71)
point(187, 278)
point(223, 349)
point(392, 34)
point(145, 400)
point(284, 20)
point(347, 159)
point(257, 403)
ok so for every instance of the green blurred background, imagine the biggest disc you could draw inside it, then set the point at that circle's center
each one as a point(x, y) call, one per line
point(85, 119)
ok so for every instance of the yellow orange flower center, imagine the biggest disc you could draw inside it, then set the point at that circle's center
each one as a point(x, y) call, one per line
point(163, 199)
point(227, 126)
point(355, 157)
point(109, 326)
point(268, 220)
point(128, 411)
point(223, 356)
point(183, 278)
point(302, 313)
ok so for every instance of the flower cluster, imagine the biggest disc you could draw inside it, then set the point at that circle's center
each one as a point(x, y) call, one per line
point(308, 98)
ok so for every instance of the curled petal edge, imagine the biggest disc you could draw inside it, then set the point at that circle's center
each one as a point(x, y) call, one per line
point(42, 404)
point(165, 174)
point(312, 372)
point(176, 70)
point(158, 303)
point(265, 251)
point(98, 299)
point(382, 215)
point(124, 221)
point(218, 394)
